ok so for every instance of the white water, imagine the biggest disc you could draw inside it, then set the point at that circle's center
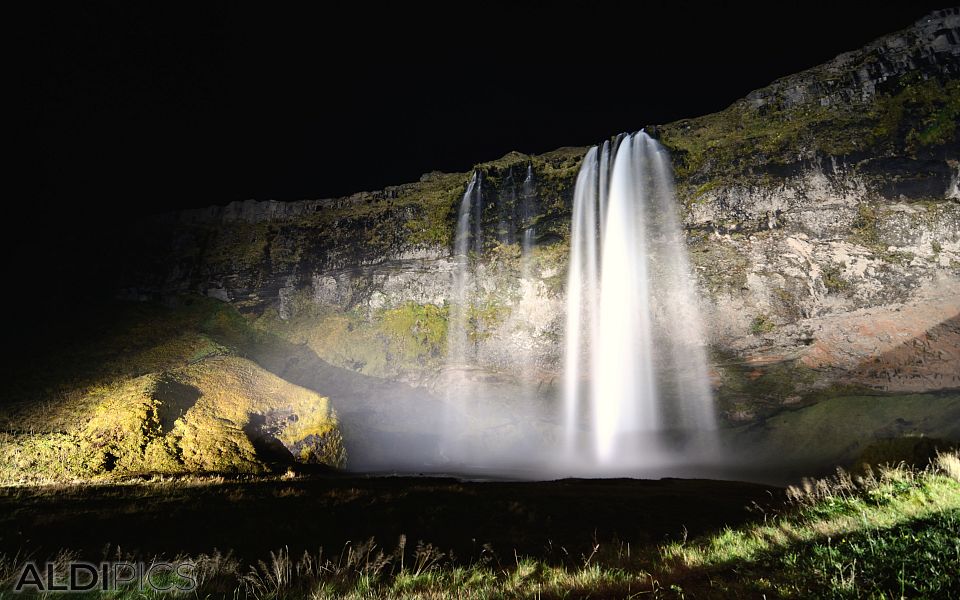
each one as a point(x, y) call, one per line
point(458, 347)
point(506, 202)
point(636, 378)
point(460, 351)
point(487, 416)
point(527, 210)
point(954, 190)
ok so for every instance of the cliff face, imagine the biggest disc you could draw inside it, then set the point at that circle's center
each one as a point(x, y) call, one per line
point(822, 216)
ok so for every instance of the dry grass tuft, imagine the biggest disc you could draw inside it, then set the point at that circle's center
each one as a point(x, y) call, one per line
point(948, 463)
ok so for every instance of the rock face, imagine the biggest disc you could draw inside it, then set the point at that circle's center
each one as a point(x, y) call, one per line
point(858, 77)
point(822, 215)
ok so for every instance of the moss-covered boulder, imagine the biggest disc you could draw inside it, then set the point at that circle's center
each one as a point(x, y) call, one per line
point(200, 407)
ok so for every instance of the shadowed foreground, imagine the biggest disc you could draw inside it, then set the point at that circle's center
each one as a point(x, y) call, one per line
point(886, 534)
point(252, 517)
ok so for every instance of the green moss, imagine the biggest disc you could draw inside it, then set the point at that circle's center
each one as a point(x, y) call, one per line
point(215, 434)
point(240, 243)
point(699, 194)
point(899, 257)
point(728, 146)
point(43, 457)
point(723, 267)
point(482, 318)
point(865, 225)
point(388, 343)
point(416, 332)
point(761, 390)
point(126, 433)
point(723, 144)
point(284, 250)
point(867, 228)
point(434, 207)
point(762, 324)
point(123, 432)
point(507, 161)
point(348, 339)
point(790, 306)
point(921, 113)
point(832, 276)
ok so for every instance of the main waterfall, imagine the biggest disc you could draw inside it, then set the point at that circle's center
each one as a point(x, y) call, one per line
point(636, 387)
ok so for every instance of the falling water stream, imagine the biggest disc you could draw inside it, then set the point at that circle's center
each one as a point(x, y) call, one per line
point(458, 350)
point(527, 210)
point(636, 382)
point(636, 394)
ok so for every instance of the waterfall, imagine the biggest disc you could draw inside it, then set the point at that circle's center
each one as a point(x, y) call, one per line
point(953, 191)
point(471, 207)
point(506, 202)
point(528, 207)
point(460, 351)
point(582, 292)
point(635, 367)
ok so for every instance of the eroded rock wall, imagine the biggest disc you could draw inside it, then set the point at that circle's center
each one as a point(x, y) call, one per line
point(822, 217)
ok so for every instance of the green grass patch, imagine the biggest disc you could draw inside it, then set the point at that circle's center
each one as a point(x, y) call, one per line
point(890, 534)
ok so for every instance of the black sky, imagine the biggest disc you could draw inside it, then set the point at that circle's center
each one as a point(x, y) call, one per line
point(152, 107)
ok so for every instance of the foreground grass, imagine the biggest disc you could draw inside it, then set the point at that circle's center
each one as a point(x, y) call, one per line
point(889, 534)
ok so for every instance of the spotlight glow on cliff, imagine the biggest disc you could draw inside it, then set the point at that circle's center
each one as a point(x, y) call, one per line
point(637, 393)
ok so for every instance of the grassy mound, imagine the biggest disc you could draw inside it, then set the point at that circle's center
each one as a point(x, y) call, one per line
point(160, 390)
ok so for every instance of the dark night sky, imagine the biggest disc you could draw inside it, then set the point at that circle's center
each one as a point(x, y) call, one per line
point(146, 109)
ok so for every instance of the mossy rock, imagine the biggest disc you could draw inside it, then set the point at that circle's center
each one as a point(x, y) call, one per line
point(154, 402)
point(216, 433)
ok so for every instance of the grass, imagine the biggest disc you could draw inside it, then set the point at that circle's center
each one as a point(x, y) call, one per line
point(889, 533)
point(898, 540)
